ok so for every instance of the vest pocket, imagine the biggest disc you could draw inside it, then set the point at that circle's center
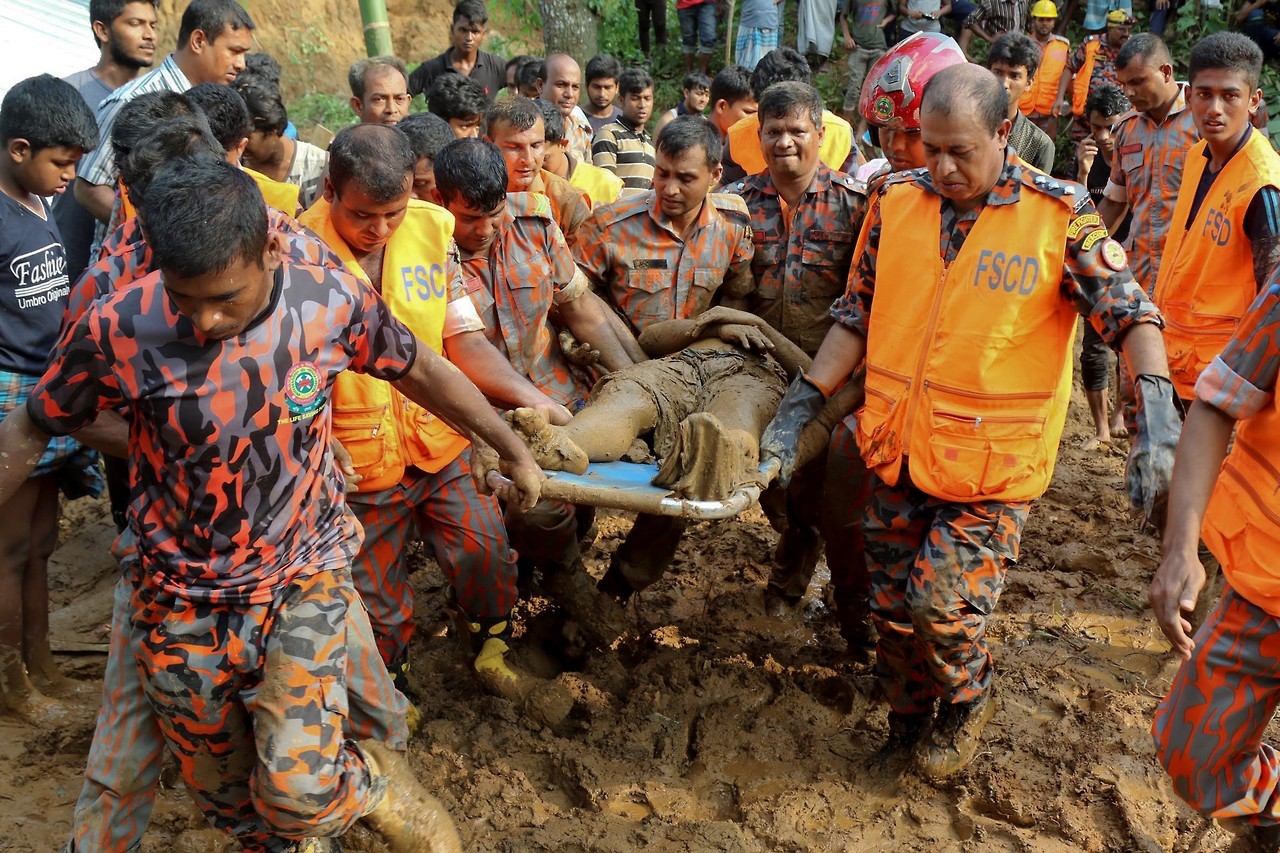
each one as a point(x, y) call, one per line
point(648, 296)
point(1194, 340)
point(983, 445)
point(882, 417)
point(362, 433)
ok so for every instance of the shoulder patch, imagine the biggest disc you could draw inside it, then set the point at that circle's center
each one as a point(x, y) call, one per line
point(624, 208)
point(529, 204)
point(1068, 192)
point(1113, 255)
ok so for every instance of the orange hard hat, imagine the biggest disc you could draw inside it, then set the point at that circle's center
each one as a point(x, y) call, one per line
point(895, 83)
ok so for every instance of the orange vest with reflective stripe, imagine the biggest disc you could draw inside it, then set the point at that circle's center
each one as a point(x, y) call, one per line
point(1080, 85)
point(281, 196)
point(1206, 282)
point(744, 143)
point(384, 431)
point(600, 185)
point(1242, 522)
point(969, 365)
point(1041, 94)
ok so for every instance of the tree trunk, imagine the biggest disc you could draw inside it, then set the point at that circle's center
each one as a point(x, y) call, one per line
point(569, 26)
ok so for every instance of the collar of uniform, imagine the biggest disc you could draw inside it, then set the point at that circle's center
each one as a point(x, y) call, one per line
point(1179, 105)
point(1008, 187)
point(706, 216)
point(537, 185)
point(821, 181)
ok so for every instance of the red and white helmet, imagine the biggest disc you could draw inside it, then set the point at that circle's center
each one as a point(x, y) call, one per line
point(895, 83)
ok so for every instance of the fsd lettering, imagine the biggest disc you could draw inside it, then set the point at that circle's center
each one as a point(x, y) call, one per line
point(999, 271)
point(422, 283)
point(1217, 227)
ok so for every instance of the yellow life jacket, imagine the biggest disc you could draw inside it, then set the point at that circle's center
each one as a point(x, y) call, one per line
point(281, 196)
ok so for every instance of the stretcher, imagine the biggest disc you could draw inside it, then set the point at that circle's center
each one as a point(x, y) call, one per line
point(629, 486)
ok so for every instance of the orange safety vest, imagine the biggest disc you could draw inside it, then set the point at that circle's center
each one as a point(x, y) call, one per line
point(600, 185)
point(744, 143)
point(384, 431)
point(1041, 94)
point(1206, 282)
point(969, 365)
point(1242, 522)
point(281, 196)
point(1080, 85)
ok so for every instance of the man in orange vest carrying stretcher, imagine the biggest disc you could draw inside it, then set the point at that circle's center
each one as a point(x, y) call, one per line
point(968, 342)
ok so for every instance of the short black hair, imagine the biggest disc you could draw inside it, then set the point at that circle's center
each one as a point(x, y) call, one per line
point(600, 67)
point(262, 64)
point(47, 112)
point(519, 112)
point(186, 136)
point(530, 72)
point(378, 158)
point(518, 59)
point(552, 122)
point(473, 170)
point(107, 11)
point(427, 133)
point(1107, 100)
point(201, 215)
point(731, 84)
point(695, 81)
point(1149, 46)
point(778, 66)
point(473, 10)
point(143, 113)
point(1228, 52)
point(228, 116)
point(1014, 49)
point(456, 96)
point(266, 106)
point(213, 18)
point(782, 99)
point(967, 85)
point(359, 72)
point(684, 133)
point(633, 81)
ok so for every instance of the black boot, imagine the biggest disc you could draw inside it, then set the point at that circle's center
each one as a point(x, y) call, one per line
point(957, 734)
point(906, 733)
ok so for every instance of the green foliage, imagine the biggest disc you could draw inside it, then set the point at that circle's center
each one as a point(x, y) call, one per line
point(520, 22)
point(332, 111)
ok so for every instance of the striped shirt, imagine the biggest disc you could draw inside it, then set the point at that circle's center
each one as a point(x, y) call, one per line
point(625, 151)
point(99, 166)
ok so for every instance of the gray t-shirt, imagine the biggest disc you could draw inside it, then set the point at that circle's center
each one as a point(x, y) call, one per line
point(74, 222)
point(921, 25)
point(759, 15)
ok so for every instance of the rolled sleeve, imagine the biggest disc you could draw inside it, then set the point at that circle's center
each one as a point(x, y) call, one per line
point(1242, 379)
point(577, 286)
point(853, 309)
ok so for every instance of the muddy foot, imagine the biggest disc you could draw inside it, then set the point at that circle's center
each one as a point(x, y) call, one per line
point(707, 461)
point(19, 697)
point(600, 617)
point(1096, 443)
point(409, 819)
point(550, 448)
point(45, 675)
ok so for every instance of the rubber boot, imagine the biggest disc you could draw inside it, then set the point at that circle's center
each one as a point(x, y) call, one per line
point(399, 671)
point(408, 818)
point(601, 618)
point(957, 734)
point(906, 733)
point(318, 845)
point(545, 702)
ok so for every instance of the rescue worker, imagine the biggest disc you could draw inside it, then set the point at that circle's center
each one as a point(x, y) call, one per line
point(968, 355)
point(1092, 64)
point(1037, 103)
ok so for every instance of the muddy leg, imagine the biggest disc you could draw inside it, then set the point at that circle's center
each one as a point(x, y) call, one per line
point(35, 594)
point(17, 694)
point(614, 418)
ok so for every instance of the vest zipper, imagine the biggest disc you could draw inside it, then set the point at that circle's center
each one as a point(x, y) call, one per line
point(914, 395)
point(1244, 483)
point(1015, 395)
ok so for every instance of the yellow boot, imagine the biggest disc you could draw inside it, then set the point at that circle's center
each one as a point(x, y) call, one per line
point(545, 702)
point(408, 818)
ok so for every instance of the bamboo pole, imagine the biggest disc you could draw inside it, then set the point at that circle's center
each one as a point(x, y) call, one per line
point(730, 36)
point(377, 28)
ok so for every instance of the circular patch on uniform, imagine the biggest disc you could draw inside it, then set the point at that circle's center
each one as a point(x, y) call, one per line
point(302, 384)
point(883, 108)
point(1113, 255)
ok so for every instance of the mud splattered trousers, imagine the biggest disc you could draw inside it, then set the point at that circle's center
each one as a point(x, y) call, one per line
point(1208, 730)
point(125, 757)
point(462, 528)
point(937, 569)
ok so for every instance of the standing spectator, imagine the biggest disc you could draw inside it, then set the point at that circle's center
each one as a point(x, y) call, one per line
point(816, 32)
point(125, 31)
point(270, 151)
point(992, 19)
point(460, 101)
point(562, 86)
point(625, 147)
point(1259, 20)
point(1097, 13)
point(379, 89)
point(697, 93)
point(464, 56)
point(862, 24)
point(758, 30)
point(654, 11)
point(427, 133)
point(602, 75)
point(697, 32)
point(923, 16)
point(732, 99)
point(1092, 65)
point(1037, 102)
point(513, 65)
point(1014, 58)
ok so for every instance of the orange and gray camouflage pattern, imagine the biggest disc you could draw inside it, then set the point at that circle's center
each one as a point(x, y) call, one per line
point(844, 505)
point(1209, 729)
point(937, 569)
point(461, 528)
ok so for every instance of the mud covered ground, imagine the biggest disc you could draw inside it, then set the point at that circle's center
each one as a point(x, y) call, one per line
point(722, 728)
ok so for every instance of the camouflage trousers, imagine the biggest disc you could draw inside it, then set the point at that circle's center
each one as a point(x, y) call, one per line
point(464, 532)
point(937, 569)
point(1209, 728)
point(253, 704)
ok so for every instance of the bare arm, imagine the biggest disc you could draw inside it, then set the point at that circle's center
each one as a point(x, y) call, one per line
point(1143, 348)
point(1064, 86)
point(671, 336)
point(441, 388)
point(109, 433)
point(490, 372)
point(1112, 212)
point(95, 198)
point(588, 318)
point(841, 353)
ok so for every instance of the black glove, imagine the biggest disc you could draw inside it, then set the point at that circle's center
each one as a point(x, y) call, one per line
point(801, 404)
point(1155, 443)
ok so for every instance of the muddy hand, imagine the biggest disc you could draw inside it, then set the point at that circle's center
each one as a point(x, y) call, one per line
point(720, 314)
point(1173, 594)
point(1155, 444)
point(553, 413)
point(345, 464)
point(781, 440)
point(519, 486)
point(484, 463)
point(745, 337)
point(581, 354)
